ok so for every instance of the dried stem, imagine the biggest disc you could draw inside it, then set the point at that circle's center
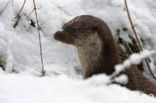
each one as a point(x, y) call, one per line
point(20, 9)
point(39, 35)
point(138, 40)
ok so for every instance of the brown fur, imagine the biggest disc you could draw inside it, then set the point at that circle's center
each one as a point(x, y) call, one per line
point(99, 52)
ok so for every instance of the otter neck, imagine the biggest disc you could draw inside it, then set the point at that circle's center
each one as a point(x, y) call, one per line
point(90, 53)
point(96, 57)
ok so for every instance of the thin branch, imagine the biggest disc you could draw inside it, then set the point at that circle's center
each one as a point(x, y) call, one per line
point(20, 9)
point(138, 40)
point(133, 28)
point(39, 35)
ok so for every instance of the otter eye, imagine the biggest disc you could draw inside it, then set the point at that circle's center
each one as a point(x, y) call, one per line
point(75, 30)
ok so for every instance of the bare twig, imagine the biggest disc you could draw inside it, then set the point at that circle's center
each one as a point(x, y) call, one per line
point(39, 35)
point(138, 40)
point(38, 29)
point(20, 9)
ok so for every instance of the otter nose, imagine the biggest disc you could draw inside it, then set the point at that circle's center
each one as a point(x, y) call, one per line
point(58, 35)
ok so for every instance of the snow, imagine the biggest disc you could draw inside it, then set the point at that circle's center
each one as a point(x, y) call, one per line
point(134, 59)
point(121, 79)
point(62, 89)
point(63, 81)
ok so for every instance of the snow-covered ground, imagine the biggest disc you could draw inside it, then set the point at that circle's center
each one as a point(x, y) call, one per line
point(62, 89)
point(62, 83)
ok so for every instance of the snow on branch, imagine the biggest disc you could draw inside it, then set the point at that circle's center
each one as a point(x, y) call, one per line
point(134, 59)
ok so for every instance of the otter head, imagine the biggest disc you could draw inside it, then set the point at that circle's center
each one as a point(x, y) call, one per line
point(94, 42)
point(80, 31)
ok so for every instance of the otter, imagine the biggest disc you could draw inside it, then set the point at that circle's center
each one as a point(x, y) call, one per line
point(99, 52)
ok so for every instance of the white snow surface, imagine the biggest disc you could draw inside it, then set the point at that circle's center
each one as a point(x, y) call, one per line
point(62, 89)
point(63, 83)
